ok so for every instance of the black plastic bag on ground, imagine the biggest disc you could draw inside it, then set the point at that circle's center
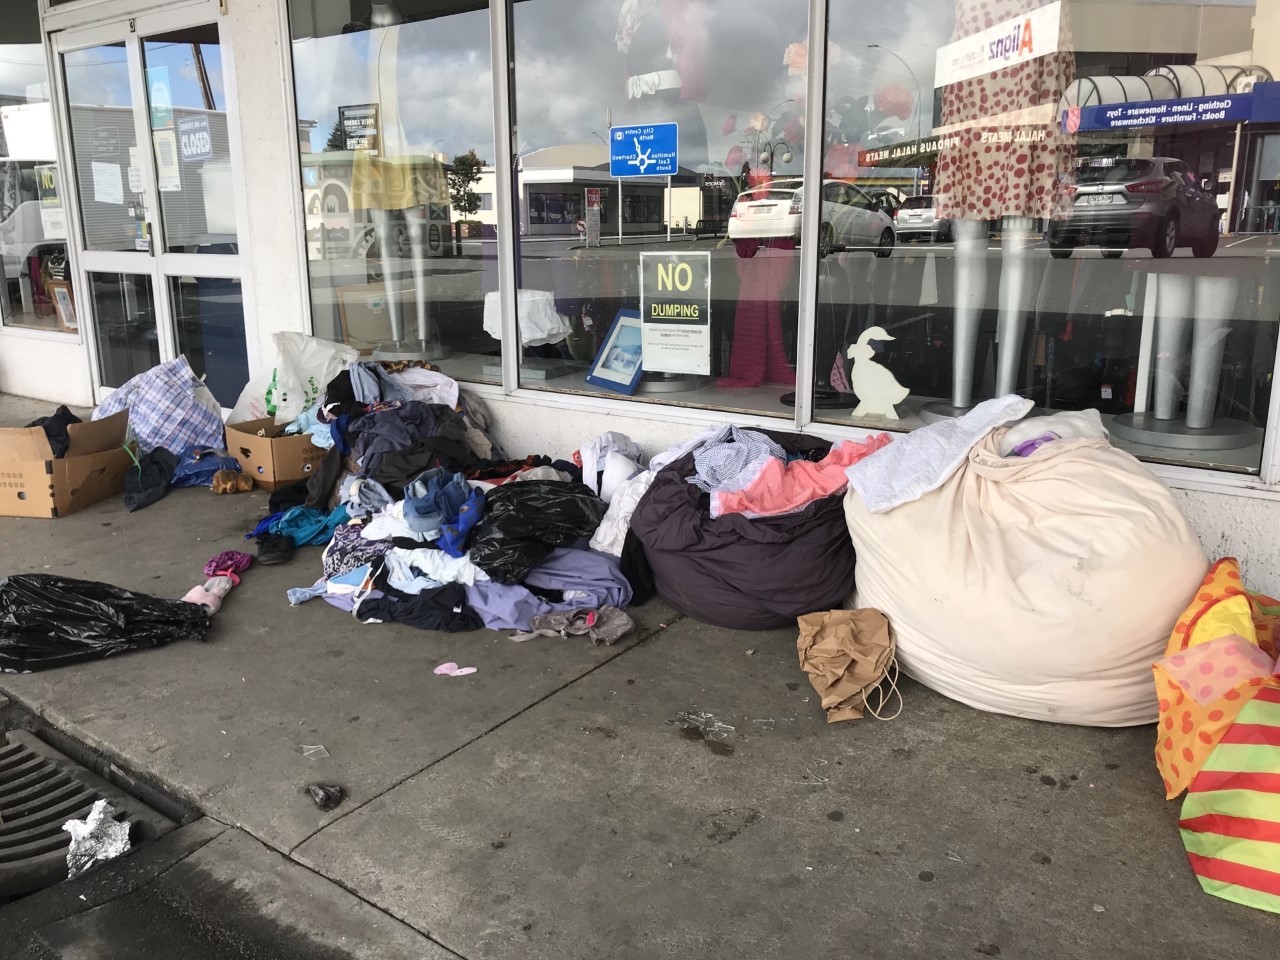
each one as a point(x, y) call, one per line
point(50, 621)
point(741, 573)
point(524, 521)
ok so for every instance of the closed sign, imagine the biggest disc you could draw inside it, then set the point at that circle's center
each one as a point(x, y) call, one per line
point(194, 141)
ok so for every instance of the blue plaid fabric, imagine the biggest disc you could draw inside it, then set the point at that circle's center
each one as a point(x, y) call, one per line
point(164, 411)
point(732, 459)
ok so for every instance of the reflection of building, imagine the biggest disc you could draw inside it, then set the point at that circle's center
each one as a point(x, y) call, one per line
point(1256, 188)
point(553, 184)
point(1118, 45)
point(335, 230)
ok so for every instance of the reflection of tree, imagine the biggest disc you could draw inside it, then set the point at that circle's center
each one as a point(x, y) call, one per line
point(852, 123)
point(336, 140)
point(463, 175)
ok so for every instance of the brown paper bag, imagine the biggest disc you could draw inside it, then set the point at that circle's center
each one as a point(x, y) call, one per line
point(847, 654)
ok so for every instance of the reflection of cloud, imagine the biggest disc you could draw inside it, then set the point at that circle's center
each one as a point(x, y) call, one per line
point(571, 79)
point(21, 67)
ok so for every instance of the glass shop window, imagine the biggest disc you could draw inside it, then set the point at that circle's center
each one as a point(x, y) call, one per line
point(395, 113)
point(34, 272)
point(1085, 228)
point(670, 272)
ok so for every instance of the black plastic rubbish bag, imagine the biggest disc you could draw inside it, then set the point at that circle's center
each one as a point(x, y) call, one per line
point(50, 621)
point(524, 521)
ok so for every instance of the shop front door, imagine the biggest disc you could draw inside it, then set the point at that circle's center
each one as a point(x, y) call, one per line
point(147, 105)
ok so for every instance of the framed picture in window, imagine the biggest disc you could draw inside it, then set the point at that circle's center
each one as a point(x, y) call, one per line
point(619, 363)
point(64, 303)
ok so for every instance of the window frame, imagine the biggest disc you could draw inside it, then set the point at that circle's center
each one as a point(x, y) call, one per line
point(1264, 485)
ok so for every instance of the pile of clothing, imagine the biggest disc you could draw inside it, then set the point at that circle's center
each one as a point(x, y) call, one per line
point(425, 522)
point(742, 528)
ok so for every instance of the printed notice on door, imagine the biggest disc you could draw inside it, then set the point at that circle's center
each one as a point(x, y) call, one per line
point(168, 173)
point(675, 312)
point(108, 185)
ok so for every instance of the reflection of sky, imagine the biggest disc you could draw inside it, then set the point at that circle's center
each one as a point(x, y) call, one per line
point(99, 75)
point(442, 82)
point(184, 79)
point(571, 78)
point(21, 68)
point(571, 81)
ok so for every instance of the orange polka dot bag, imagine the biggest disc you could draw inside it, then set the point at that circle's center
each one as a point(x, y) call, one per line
point(1219, 737)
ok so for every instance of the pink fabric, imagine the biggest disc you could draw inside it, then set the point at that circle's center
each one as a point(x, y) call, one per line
point(1208, 670)
point(758, 355)
point(788, 487)
point(199, 595)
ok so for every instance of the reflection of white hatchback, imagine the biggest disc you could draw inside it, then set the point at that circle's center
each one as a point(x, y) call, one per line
point(850, 217)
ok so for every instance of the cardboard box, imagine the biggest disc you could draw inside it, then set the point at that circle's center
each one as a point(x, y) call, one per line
point(34, 483)
point(271, 458)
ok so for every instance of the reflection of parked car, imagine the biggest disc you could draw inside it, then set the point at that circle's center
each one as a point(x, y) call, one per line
point(918, 217)
point(1120, 203)
point(890, 201)
point(850, 217)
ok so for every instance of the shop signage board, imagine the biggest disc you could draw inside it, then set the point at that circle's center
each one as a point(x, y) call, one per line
point(359, 123)
point(1019, 39)
point(912, 151)
point(194, 140)
point(648, 150)
point(675, 312)
point(595, 203)
point(1229, 108)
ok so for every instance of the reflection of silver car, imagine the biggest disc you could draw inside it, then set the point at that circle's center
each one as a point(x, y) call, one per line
point(850, 217)
point(1125, 202)
point(918, 217)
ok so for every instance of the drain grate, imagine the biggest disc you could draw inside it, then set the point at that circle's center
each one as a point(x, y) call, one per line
point(40, 790)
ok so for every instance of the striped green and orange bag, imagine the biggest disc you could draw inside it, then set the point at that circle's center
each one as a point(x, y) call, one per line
point(1231, 816)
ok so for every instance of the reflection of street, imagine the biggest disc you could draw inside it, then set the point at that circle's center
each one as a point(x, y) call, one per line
point(545, 261)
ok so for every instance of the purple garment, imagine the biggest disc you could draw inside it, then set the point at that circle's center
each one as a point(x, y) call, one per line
point(503, 606)
point(1027, 447)
point(347, 601)
point(512, 607)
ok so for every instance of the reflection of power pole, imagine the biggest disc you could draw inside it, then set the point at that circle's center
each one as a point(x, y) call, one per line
point(206, 91)
point(919, 106)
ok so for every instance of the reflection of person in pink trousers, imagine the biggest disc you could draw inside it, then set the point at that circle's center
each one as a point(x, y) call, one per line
point(664, 45)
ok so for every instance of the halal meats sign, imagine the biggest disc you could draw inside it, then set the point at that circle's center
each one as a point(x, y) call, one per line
point(1017, 40)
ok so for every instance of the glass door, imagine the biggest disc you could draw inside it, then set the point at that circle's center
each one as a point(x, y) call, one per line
point(154, 175)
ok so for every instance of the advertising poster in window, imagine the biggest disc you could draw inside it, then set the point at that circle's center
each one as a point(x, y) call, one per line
point(675, 307)
point(359, 123)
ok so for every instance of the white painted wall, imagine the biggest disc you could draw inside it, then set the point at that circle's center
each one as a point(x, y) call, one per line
point(48, 367)
point(1240, 527)
point(275, 270)
point(1236, 526)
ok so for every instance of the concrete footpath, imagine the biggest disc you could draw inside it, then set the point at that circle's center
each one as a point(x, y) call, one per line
point(550, 807)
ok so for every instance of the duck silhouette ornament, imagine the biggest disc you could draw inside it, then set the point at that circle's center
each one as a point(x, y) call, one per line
point(876, 388)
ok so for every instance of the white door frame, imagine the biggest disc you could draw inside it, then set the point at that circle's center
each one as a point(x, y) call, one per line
point(84, 27)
